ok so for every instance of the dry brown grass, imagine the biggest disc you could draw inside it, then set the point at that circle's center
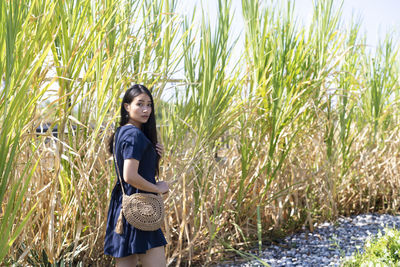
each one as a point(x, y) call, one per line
point(72, 207)
point(270, 135)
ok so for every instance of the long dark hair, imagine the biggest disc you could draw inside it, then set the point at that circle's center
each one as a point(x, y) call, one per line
point(149, 128)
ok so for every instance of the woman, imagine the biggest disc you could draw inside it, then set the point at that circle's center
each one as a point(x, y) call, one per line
point(137, 154)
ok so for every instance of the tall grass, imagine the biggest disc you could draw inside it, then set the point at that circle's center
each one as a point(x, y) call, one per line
point(21, 66)
point(301, 128)
point(381, 81)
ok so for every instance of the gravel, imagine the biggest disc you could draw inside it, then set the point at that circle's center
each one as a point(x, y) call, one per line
point(328, 245)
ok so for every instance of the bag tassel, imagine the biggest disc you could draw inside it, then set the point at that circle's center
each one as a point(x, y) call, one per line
point(119, 228)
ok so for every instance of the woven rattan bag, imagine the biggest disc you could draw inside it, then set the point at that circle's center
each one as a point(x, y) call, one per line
point(144, 211)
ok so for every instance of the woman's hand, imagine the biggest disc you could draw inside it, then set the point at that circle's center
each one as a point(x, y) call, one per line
point(160, 149)
point(162, 187)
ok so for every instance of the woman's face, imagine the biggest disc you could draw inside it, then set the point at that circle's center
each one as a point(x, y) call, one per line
point(139, 110)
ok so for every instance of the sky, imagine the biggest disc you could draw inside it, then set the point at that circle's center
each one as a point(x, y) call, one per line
point(378, 16)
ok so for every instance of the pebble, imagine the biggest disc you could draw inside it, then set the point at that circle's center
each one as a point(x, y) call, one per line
point(328, 245)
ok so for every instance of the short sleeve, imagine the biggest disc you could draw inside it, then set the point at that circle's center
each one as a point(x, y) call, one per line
point(133, 146)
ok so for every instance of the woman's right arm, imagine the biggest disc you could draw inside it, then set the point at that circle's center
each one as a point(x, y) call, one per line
point(132, 177)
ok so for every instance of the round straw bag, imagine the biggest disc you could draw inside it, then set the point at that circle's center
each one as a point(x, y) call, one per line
point(144, 211)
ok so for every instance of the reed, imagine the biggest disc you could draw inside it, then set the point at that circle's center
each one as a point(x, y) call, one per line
point(301, 128)
point(24, 49)
point(381, 80)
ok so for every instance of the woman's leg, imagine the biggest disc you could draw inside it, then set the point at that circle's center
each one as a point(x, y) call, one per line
point(129, 261)
point(154, 257)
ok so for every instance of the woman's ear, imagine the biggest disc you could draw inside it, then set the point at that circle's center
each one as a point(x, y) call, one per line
point(126, 106)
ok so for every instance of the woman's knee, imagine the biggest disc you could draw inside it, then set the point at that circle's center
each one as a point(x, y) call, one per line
point(129, 261)
point(154, 257)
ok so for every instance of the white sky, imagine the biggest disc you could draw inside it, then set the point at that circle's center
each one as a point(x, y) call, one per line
point(378, 16)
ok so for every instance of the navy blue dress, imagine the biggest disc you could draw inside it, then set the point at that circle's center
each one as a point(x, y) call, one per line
point(131, 144)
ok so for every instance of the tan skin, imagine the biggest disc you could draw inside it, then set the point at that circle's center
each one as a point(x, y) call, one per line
point(139, 111)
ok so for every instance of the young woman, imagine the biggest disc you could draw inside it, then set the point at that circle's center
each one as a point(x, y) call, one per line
point(137, 154)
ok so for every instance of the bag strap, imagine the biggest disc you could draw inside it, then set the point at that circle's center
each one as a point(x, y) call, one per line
point(115, 161)
point(116, 164)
